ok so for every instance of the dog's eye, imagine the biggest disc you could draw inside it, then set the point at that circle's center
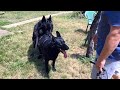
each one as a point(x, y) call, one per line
point(59, 43)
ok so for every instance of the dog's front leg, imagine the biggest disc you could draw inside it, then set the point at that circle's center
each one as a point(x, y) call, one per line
point(53, 65)
point(46, 66)
point(40, 53)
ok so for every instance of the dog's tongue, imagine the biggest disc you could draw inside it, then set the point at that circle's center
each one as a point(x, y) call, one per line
point(65, 54)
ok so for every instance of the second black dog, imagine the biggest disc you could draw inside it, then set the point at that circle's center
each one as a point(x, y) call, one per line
point(41, 28)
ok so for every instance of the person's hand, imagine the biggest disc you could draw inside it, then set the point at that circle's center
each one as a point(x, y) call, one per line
point(100, 64)
point(95, 38)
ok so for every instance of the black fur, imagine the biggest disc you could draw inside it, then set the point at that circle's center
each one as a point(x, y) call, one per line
point(41, 28)
point(50, 47)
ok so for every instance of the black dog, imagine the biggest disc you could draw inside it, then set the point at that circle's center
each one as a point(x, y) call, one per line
point(41, 28)
point(50, 47)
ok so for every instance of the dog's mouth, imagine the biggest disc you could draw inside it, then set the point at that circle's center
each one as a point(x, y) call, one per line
point(64, 53)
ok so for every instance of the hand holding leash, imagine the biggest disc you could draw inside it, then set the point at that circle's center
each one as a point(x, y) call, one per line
point(101, 75)
point(94, 64)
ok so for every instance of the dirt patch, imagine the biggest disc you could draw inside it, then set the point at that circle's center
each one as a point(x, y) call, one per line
point(34, 19)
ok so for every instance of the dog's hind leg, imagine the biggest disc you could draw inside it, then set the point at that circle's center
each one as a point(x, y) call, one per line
point(34, 40)
point(53, 65)
point(36, 43)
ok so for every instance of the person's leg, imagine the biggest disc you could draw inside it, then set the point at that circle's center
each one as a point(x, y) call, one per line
point(116, 77)
point(113, 69)
point(107, 74)
point(94, 70)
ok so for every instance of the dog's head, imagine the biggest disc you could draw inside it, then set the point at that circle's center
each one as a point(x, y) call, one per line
point(42, 26)
point(60, 44)
point(45, 25)
point(49, 24)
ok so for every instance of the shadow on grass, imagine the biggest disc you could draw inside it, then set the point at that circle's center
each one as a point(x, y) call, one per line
point(83, 45)
point(81, 58)
point(75, 56)
point(81, 31)
point(39, 63)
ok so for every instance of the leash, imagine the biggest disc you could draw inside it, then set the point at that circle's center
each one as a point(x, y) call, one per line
point(100, 75)
point(94, 64)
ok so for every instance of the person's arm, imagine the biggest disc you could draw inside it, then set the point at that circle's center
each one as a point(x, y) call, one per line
point(112, 41)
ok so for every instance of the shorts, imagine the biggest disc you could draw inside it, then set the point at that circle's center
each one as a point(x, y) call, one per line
point(112, 67)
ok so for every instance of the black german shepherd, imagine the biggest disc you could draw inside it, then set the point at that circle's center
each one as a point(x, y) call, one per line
point(41, 28)
point(50, 47)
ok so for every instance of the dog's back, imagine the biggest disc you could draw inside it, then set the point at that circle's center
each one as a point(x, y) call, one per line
point(47, 47)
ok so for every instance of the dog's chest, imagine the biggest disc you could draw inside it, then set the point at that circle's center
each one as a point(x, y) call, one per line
point(52, 54)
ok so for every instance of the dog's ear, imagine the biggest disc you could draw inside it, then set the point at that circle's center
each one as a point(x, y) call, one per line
point(43, 19)
point(58, 34)
point(50, 19)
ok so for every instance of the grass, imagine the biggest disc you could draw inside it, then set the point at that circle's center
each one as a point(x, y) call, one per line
point(17, 16)
point(15, 51)
point(2, 22)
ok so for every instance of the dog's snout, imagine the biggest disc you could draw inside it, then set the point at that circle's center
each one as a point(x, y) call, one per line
point(67, 48)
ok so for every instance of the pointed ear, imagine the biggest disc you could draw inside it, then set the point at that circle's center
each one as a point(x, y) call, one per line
point(58, 34)
point(50, 19)
point(43, 19)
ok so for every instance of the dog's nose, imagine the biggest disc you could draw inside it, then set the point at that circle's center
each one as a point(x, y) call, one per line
point(67, 47)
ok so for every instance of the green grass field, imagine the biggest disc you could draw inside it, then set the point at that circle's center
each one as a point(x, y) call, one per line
point(15, 51)
point(16, 16)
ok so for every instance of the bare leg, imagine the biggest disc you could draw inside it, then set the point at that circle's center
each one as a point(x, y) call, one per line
point(116, 77)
